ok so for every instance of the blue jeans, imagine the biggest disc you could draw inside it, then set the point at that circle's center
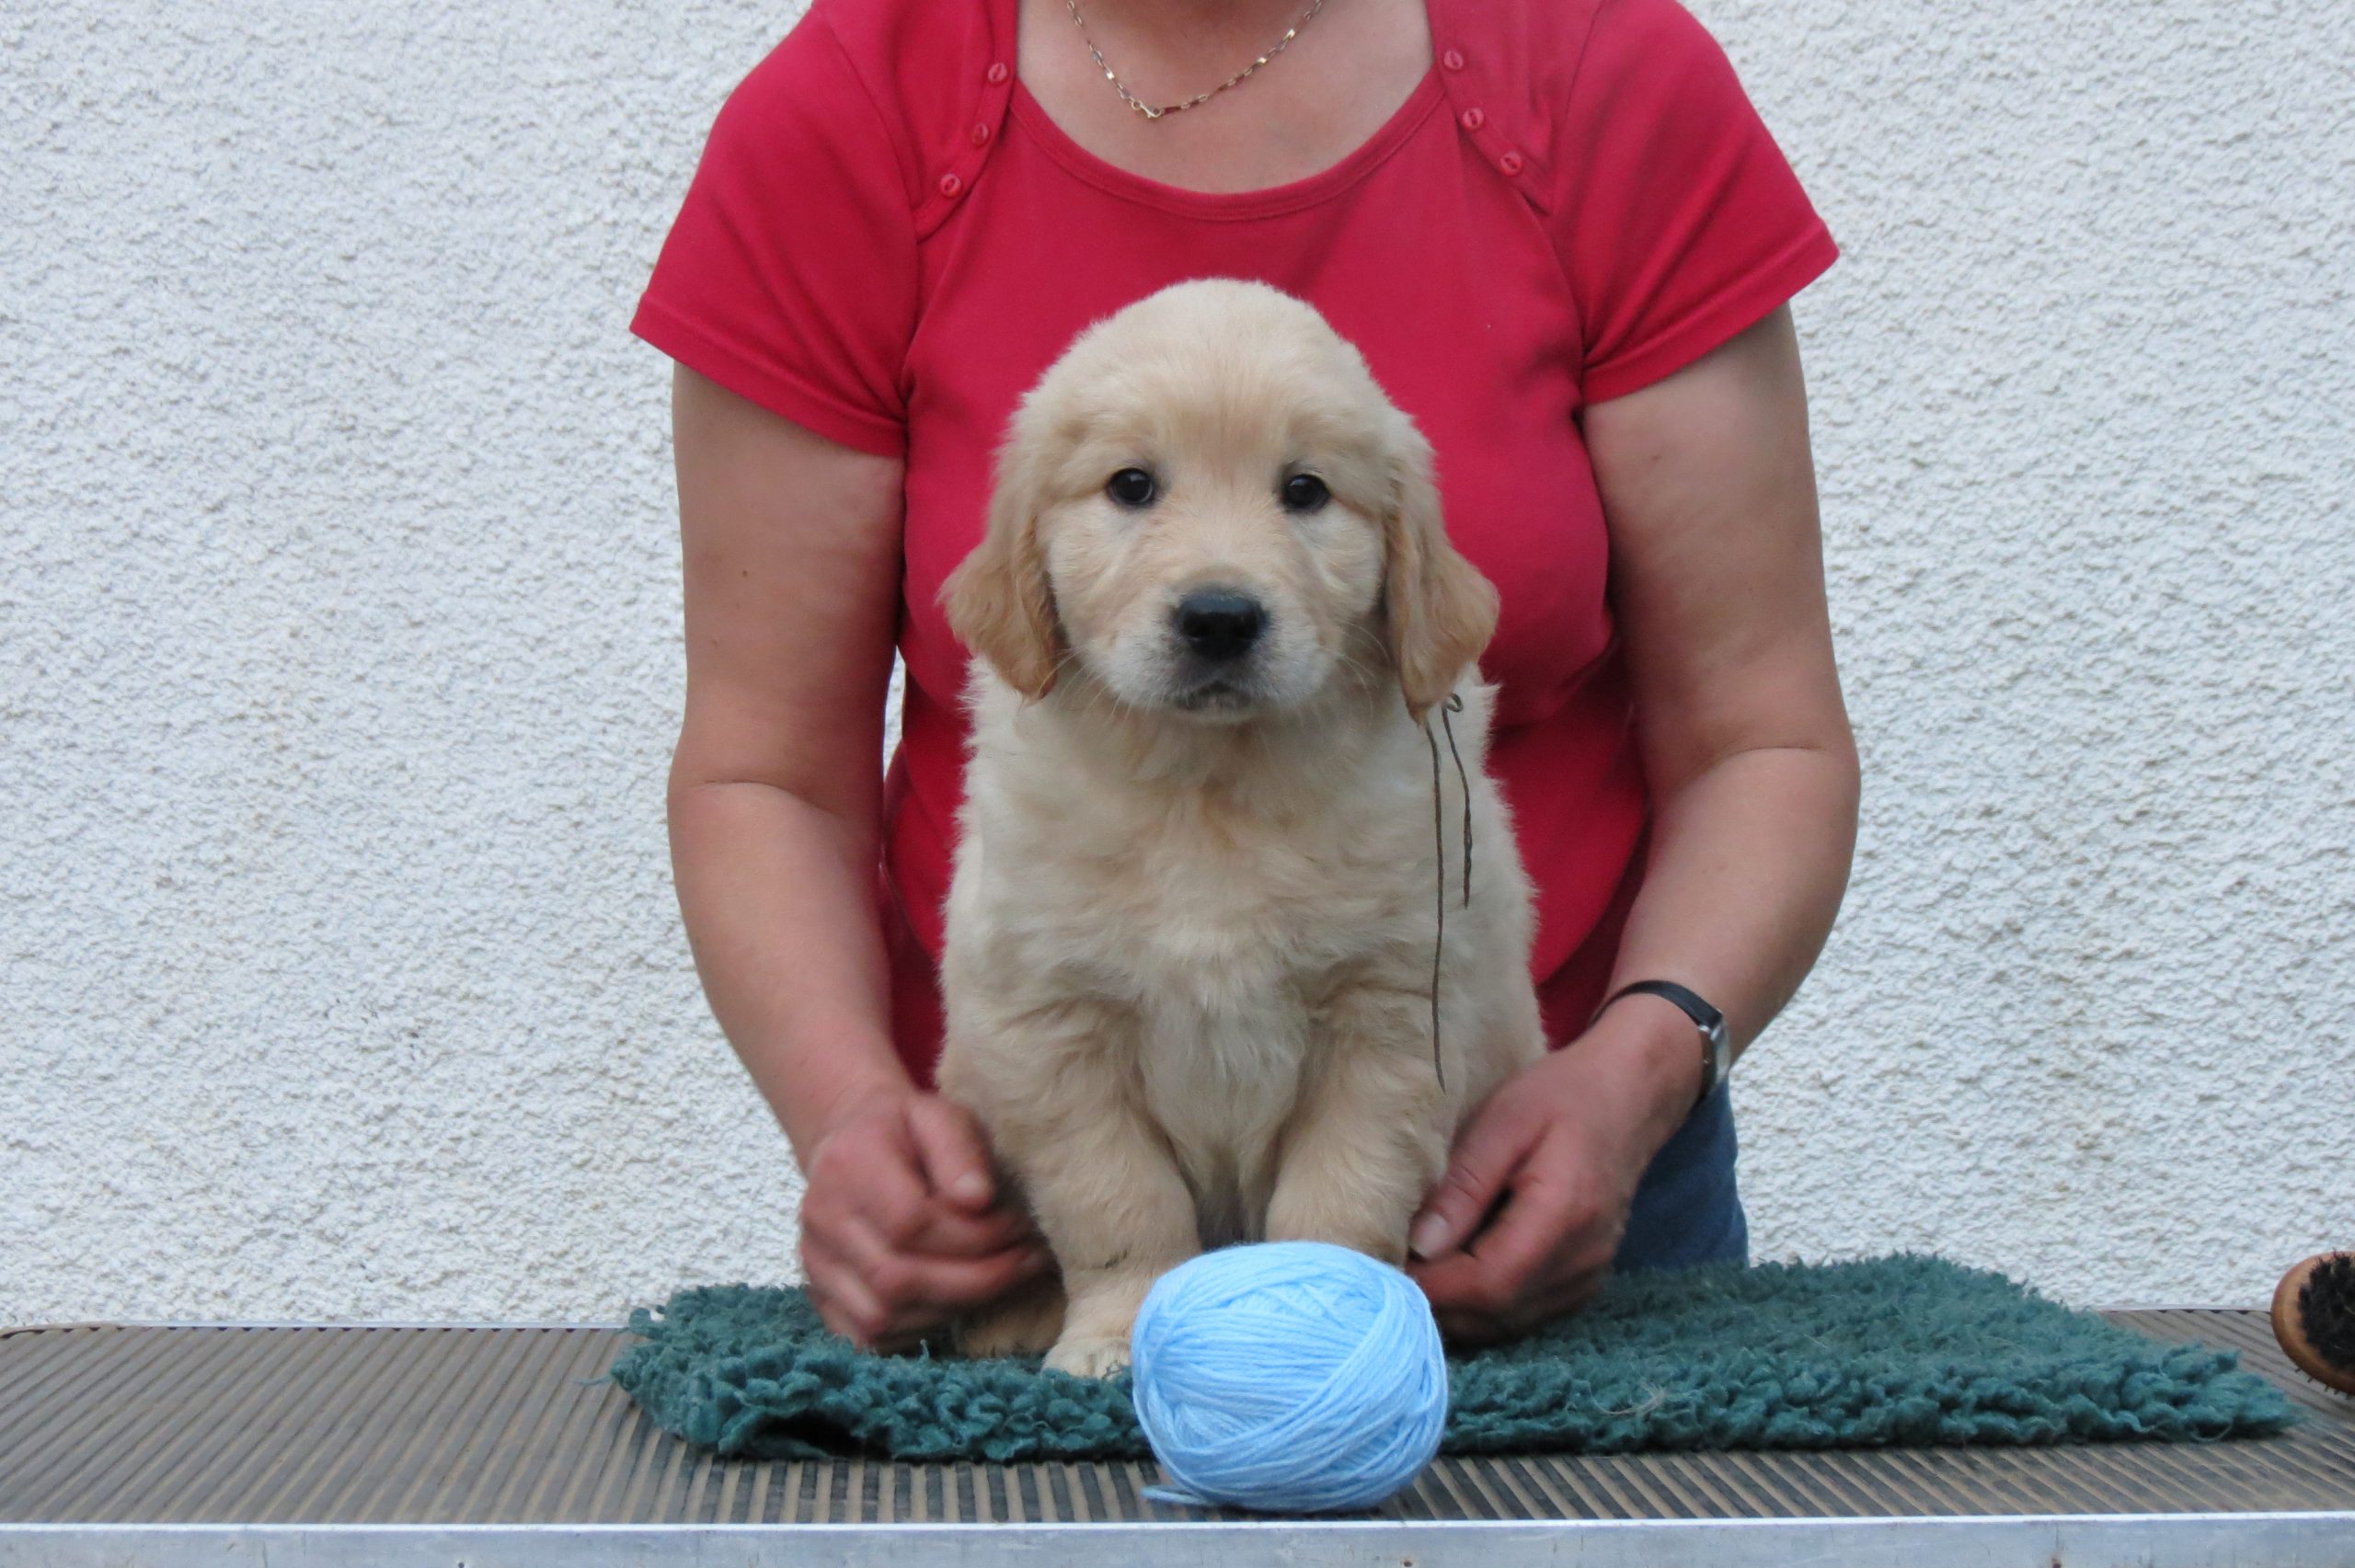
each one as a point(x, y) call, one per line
point(1687, 1207)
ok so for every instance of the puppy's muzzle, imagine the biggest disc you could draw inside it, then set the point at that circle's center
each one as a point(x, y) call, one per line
point(1218, 625)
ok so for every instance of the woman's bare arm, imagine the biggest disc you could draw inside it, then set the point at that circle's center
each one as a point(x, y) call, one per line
point(1717, 583)
point(791, 554)
point(790, 547)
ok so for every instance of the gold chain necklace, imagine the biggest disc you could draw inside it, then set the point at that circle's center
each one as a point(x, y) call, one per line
point(1148, 110)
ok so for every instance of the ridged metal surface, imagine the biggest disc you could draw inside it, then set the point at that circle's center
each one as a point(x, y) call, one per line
point(516, 1426)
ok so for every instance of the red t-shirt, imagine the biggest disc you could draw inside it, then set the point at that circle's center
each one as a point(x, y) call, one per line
point(888, 240)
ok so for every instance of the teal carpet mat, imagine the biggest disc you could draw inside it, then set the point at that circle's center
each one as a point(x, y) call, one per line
point(1905, 1351)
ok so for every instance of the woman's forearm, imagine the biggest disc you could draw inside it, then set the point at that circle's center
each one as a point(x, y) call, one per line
point(1747, 861)
point(778, 900)
point(1747, 864)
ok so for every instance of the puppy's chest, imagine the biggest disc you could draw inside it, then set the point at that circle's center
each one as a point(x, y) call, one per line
point(1203, 912)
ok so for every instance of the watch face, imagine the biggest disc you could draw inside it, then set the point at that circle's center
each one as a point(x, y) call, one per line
point(1720, 1048)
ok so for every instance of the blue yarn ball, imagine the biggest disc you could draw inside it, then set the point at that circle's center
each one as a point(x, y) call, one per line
point(1288, 1377)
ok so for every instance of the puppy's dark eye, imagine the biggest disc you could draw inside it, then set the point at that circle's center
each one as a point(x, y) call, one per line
point(1305, 492)
point(1130, 488)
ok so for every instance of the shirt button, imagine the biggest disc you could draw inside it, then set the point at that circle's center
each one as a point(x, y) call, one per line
point(1452, 60)
point(980, 133)
point(1510, 162)
point(1473, 120)
point(950, 185)
point(997, 72)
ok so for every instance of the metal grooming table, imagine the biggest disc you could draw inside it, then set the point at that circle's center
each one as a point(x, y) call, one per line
point(485, 1448)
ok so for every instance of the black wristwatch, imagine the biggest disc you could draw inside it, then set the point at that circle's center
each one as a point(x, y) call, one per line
point(1716, 1049)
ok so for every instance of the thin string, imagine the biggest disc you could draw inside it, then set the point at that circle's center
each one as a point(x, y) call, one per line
point(1454, 704)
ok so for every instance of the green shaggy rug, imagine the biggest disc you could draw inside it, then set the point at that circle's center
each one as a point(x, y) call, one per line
point(1905, 1351)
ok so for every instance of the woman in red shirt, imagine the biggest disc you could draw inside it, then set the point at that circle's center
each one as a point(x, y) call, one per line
point(1564, 242)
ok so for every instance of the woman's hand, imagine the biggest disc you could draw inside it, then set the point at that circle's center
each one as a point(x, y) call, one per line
point(1523, 1226)
point(902, 1228)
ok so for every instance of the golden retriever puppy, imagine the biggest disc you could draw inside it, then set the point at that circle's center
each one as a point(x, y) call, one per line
point(1191, 932)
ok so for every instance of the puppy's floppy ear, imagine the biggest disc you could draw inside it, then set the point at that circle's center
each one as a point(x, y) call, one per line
point(998, 600)
point(1440, 612)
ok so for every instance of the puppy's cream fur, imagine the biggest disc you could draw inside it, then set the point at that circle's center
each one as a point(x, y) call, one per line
point(1190, 933)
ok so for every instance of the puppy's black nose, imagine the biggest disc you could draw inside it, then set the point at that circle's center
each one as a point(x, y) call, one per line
point(1220, 624)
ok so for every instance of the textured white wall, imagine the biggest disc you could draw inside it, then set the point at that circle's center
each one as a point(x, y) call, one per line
point(339, 655)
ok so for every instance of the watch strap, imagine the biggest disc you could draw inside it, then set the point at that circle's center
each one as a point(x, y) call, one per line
point(1716, 1051)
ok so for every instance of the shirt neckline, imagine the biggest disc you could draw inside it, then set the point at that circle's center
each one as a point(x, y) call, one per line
point(1266, 202)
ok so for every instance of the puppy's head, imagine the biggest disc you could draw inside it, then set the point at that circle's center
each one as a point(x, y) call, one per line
point(1209, 507)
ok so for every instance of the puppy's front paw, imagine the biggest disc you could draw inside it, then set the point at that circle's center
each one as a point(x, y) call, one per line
point(1088, 1356)
point(1024, 1324)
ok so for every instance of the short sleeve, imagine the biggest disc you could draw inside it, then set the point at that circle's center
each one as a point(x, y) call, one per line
point(1683, 222)
point(789, 276)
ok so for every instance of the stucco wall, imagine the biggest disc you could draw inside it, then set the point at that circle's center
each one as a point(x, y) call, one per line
point(339, 655)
